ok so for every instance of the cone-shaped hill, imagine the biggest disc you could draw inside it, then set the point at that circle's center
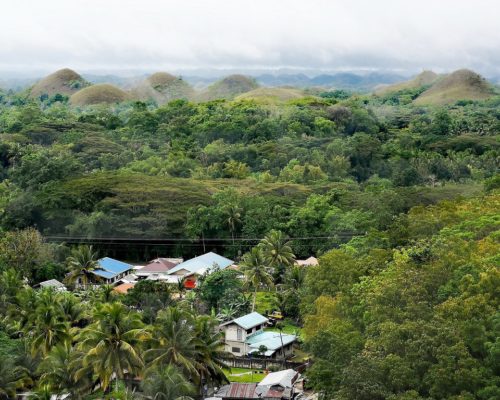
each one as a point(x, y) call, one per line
point(425, 78)
point(228, 88)
point(459, 85)
point(65, 81)
point(96, 94)
point(163, 87)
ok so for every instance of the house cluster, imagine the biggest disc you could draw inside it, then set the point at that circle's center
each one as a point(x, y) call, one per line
point(246, 336)
point(281, 385)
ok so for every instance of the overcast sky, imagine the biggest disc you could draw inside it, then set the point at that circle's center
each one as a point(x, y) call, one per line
point(179, 35)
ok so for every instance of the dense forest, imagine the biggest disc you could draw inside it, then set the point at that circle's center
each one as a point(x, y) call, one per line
point(399, 201)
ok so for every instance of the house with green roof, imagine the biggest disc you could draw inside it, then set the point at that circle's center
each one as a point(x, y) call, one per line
point(245, 336)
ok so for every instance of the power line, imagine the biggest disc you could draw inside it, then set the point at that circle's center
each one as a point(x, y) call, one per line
point(145, 241)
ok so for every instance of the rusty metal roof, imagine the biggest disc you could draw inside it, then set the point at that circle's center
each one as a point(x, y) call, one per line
point(241, 391)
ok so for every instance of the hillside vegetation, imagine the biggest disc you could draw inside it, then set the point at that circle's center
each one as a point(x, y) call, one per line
point(459, 85)
point(398, 201)
point(163, 87)
point(272, 95)
point(228, 88)
point(425, 78)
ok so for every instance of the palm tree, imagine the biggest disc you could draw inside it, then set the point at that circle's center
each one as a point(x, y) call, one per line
point(49, 327)
point(209, 351)
point(255, 270)
point(81, 263)
point(173, 341)
point(59, 369)
point(277, 252)
point(12, 378)
point(111, 344)
point(233, 218)
point(294, 278)
point(166, 383)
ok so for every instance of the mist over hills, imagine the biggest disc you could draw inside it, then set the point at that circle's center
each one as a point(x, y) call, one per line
point(425, 88)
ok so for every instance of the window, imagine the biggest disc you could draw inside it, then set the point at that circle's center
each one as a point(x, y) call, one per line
point(249, 331)
point(239, 334)
point(235, 349)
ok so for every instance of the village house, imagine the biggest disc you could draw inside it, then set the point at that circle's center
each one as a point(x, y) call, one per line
point(156, 267)
point(191, 269)
point(111, 271)
point(281, 385)
point(246, 335)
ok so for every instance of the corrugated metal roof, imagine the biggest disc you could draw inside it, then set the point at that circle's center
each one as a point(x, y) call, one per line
point(205, 261)
point(250, 320)
point(271, 340)
point(104, 274)
point(109, 268)
point(112, 265)
point(242, 391)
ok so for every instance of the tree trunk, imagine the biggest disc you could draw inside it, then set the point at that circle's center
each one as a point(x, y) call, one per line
point(254, 299)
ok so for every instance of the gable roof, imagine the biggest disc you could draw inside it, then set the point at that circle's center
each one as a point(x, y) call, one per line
point(109, 267)
point(52, 283)
point(202, 263)
point(284, 378)
point(248, 321)
point(158, 265)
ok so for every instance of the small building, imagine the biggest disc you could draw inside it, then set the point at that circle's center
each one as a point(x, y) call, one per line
point(52, 283)
point(309, 262)
point(110, 271)
point(198, 266)
point(279, 385)
point(246, 335)
point(158, 266)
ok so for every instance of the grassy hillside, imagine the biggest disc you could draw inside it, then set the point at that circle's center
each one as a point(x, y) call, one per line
point(65, 81)
point(272, 95)
point(228, 88)
point(163, 87)
point(459, 85)
point(423, 79)
point(96, 94)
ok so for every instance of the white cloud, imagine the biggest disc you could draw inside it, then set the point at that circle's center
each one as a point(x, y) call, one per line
point(185, 34)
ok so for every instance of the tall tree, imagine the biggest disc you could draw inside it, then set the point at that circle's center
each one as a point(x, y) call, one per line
point(277, 252)
point(112, 343)
point(256, 272)
point(81, 263)
point(167, 383)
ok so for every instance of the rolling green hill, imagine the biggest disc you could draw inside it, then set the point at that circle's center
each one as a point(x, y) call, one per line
point(272, 95)
point(423, 79)
point(163, 87)
point(459, 85)
point(228, 88)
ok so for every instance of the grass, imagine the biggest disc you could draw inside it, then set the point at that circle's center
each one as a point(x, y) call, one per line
point(265, 302)
point(459, 85)
point(101, 93)
point(244, 375)
point(288, 327)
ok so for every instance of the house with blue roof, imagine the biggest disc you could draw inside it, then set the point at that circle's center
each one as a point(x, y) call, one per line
point(246, 335)
point(198, 266)
point(110, 270)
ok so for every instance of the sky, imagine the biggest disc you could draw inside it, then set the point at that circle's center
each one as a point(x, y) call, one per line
point(304, 35)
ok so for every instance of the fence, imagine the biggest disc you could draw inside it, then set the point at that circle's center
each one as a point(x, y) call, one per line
point(264, 363)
